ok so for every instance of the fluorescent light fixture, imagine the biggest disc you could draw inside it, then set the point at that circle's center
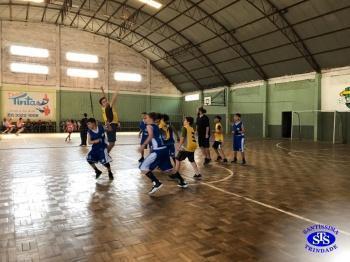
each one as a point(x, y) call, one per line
point(119, 76)
point(85, 73)
point(194, 97)
point(152, 3)
point(85, 58)
point(34, 1)
point(28, 51)
point(29, 68)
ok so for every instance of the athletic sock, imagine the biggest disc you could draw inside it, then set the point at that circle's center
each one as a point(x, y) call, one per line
point(151, 176)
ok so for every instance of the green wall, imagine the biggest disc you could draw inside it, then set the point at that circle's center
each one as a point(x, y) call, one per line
point(258, 103)
point(129, 106)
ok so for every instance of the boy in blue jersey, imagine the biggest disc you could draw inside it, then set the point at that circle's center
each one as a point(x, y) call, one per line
point(98, 153)
point(159, 157)
point(238, 138)
point(143, 134)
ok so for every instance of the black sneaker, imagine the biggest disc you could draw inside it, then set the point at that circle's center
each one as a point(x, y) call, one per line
point(172, 176)
point(183, 184)
point(110, 175)
point(219, 158)
point(199, 176)
point(141, 159)
point(155, 188)
point(244, 162)
point(98, 173)
point(206, 161)
point(234, 161)
point(225, 160)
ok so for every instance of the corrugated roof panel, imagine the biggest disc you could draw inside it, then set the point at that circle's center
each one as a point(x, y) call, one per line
point(334, 59)
point(233, 65)
point(297, 66)
point(266, 42)
point(333, 41)
point(273, 55)
point(222, 55)
point(238, 14)
point(242, 76)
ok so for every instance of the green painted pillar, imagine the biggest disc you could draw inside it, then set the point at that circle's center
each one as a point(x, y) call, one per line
point(317, 103)
point(201, 97)
point(228, 108)
point(264, 102)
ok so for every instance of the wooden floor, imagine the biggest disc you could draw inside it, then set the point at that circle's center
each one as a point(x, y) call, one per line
point(53, 209)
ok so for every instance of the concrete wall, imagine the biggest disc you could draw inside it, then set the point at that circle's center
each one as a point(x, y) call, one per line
point(154, 92)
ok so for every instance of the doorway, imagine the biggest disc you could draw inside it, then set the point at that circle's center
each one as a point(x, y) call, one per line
point(286, 124)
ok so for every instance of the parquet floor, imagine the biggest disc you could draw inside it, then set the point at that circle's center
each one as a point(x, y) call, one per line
point(53, 209)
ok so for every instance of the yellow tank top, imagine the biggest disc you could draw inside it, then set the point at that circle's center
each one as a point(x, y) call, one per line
point(190, 143)
point(115, 116)
point(218, 133)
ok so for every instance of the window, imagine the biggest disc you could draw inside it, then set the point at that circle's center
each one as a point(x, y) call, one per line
point(29, 68)
point(152, 3)
point(193, 97)
point(85, 58)
point(28, 51)
point(119, 76)
point(84, 73)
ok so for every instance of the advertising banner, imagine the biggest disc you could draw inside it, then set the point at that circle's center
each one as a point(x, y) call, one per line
point(29, 105)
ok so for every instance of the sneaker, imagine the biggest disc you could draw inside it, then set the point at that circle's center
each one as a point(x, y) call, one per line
point(219, 158)
point(206, 161)
point(110, 175)
point(199, 176)
point(225, 160)
point(234, 161)
point(98, 173)
point(183, 184)
point(244, 162)
point(155, 188)
point(141, 159)
point(172, 176)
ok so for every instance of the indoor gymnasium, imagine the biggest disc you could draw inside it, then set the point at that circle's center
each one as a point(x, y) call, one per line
point(175, 130)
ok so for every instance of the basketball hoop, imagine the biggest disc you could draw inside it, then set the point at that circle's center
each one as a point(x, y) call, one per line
point(207, 101)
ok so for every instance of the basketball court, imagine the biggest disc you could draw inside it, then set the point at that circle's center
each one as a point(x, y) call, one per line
point(267, 80)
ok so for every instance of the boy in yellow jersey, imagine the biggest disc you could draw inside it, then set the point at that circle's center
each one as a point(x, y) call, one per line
point(110, 117)
point(187, 146)
point(219, 140)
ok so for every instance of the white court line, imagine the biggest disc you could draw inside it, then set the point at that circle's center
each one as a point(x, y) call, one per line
point(209, 184)
point(293, 153)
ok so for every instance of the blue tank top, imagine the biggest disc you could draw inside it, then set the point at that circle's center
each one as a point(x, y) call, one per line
point(171, 139)
point(143, 128)
point(238, 128)
point(157, 142)
point(98, 134)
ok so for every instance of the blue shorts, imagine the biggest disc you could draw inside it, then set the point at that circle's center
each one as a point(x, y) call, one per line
point(171, 149)
point(158, 158)
point(99, 156)
point(238, 143)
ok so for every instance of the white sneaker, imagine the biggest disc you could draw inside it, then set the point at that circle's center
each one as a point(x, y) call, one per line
point(183, 185)
point(155, 188)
